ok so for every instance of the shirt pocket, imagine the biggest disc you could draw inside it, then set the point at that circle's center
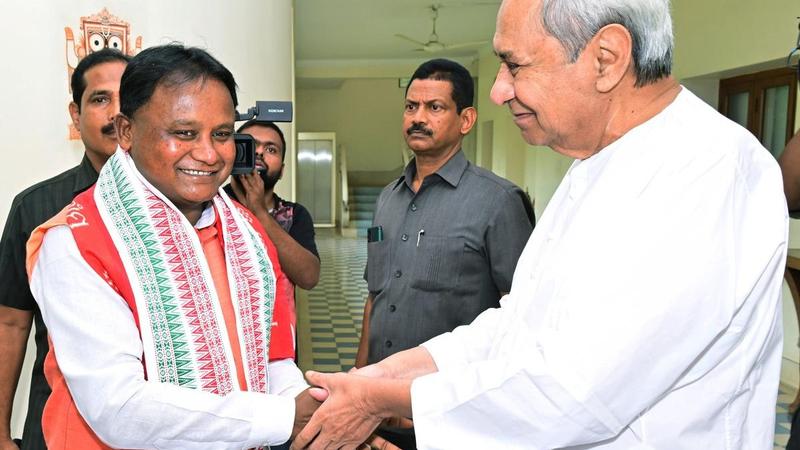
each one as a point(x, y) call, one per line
point(377, 265)
point(437, 263)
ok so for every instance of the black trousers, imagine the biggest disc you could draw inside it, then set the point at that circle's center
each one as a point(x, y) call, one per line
point(794, 434)
point(401, 437)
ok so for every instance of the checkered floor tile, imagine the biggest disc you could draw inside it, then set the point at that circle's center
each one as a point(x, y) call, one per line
point(329, 316)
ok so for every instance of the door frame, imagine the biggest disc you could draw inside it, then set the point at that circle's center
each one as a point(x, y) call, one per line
point(756, 85)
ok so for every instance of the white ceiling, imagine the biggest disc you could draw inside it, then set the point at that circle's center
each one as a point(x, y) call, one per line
point(358, 30)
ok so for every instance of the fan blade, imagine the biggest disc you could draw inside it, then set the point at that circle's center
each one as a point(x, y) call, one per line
point(433, 47)
point(402, 36)
point(465, 45)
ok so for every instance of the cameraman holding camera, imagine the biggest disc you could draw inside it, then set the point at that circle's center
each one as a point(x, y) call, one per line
point(289, 225)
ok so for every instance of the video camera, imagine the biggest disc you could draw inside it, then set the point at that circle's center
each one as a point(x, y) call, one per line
point(264, 111)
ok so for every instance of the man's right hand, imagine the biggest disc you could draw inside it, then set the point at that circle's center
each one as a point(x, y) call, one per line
point(249, 190)
point(304, 407)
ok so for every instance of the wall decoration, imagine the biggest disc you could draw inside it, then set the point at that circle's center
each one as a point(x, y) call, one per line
point(97, 31)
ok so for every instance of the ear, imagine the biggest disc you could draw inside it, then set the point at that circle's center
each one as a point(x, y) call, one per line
point(468, 117)
point(612, 51)
point(124, 128)
point(75, 115)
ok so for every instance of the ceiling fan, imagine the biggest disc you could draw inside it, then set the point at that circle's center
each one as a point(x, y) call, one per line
point(434, 44)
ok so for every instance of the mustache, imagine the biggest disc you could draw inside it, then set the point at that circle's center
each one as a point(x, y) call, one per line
point(420, 128)
point(107, 128)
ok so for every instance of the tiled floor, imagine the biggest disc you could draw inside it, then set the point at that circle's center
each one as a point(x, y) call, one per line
point(330, 316)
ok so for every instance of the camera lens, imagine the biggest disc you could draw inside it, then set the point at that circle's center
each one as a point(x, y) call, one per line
point(241, 153)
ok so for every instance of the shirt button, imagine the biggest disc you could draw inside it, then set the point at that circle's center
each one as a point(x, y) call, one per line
point(404, 237)
point(413, 206)
point(398, 274)
point(388, 344)
point(392, 308)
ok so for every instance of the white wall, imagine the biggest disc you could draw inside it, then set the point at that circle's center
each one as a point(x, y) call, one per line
point(365, 113)
point(537, 170)
point(367, 116)
point(253, 38)
point(364, 109)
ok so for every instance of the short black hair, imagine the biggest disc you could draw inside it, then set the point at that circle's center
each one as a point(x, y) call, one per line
point(78, 82)
point(264, 123)
point(172, 65)
point(446, 70)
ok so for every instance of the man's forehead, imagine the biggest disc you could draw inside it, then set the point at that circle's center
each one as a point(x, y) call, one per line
point(519, 27)
point(263, 129)
point(268, 134)
point(518, 9)
point(103, 78)
point(105, 71)
point(425, 90)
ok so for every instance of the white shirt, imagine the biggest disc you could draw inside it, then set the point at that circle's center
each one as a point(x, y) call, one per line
point(645, 309)
point(98, 349)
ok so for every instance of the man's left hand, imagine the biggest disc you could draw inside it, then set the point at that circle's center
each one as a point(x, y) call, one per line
point(345, 419)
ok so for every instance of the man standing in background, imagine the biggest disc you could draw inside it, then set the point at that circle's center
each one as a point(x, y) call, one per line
point(288, 224)
point(446, 235)
point(95, 93)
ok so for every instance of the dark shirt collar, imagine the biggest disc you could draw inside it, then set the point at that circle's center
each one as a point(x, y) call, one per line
point(84, 177)
point(450, 172)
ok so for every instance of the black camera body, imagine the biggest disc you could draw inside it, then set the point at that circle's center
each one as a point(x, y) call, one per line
point(265, 111)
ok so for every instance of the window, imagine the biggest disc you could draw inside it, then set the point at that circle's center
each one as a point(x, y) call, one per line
point(764, 103)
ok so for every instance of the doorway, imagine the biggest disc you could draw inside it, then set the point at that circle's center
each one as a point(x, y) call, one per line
point(316, 179)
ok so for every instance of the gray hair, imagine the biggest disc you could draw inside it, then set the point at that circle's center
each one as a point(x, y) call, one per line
point(574, 22)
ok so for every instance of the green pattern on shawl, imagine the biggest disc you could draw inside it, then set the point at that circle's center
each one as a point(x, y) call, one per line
point(168, 334)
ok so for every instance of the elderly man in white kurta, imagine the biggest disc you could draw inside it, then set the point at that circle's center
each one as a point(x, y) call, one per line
point(645, 310)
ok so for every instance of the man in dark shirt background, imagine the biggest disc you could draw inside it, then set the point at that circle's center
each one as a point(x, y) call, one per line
point(95, 92)
point(446, 235)
point(288, 224)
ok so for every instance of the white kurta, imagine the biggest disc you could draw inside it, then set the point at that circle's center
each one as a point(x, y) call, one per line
point(644, 312)
point(99, 352)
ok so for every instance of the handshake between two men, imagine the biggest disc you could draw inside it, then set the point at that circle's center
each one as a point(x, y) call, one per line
point(344, 409)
